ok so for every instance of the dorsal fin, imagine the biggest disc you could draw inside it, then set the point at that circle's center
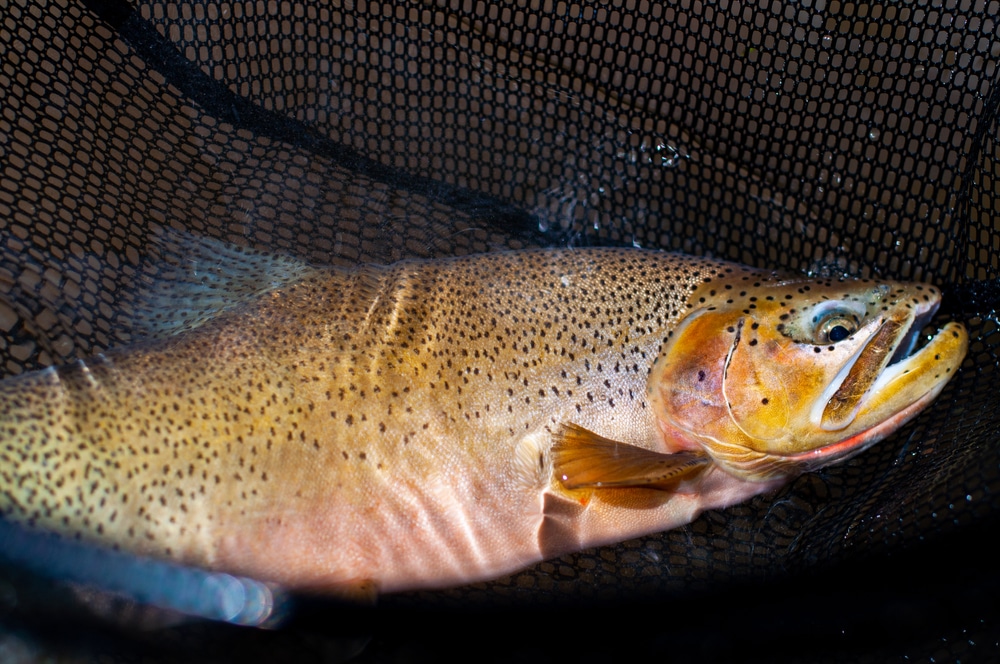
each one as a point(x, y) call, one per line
point(581, 459)
point(196, 278)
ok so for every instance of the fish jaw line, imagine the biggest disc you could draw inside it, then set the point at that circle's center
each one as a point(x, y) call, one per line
point(918, 398)
point(819, 407)
point(861, 441)
point(862, 377)
point(894, 371)
point(843, 407)
point(913, 378)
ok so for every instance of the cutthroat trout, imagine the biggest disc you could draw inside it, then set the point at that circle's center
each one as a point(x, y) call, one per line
point(431, 423)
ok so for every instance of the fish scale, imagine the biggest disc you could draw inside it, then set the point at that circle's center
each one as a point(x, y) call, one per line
point(397, 426)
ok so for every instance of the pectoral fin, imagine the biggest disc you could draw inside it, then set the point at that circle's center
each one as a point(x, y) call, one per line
point(581, 459)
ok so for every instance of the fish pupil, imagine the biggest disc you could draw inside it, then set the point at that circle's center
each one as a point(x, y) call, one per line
point(838, 333)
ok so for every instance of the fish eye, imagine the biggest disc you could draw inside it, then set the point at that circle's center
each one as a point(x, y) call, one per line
point(835, 326)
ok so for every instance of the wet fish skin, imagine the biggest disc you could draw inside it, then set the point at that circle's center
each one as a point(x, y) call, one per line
point(397, 426)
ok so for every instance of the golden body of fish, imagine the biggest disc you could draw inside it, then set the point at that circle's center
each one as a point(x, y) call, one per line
point(434, 423)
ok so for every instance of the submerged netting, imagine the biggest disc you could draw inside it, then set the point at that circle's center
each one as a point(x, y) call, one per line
point(824, 137)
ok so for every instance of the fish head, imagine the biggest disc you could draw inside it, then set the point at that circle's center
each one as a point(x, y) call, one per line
point(774, 376)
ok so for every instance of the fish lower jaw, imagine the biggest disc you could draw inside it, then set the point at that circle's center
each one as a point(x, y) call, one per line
point(923, 374)
point(908, 386)
point(903, 381)
point(756, 466)
point(861, 441)
point(751, 465)
point(948, 345)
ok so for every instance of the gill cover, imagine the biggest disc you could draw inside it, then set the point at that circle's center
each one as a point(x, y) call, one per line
point(781, 376)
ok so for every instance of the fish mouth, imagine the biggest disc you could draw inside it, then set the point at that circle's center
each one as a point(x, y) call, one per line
point(887, 382)
point(887, 351)
point(913, 333)
point(861, 441)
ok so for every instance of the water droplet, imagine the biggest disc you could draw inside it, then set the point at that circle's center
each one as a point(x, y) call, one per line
point(874, 133)
point(836, 179)
point(827, 41)
point(665, 154)
point(658, 151)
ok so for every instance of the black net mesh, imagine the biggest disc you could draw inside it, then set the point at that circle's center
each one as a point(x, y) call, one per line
point(825, 137)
